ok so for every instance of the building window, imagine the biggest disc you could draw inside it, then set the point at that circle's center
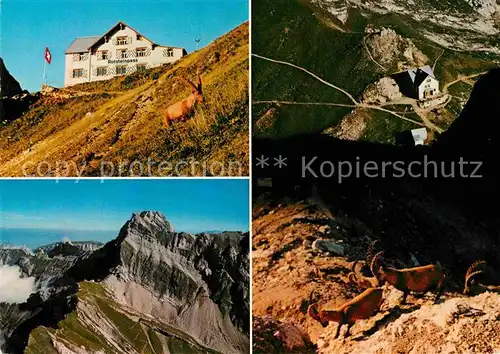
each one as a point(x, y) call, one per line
point(79, 57)
point(139, 37)
point(169, 52)
point(121, 70)
point(102, 55)
point(102, 71)
point(77, 73)
point(140, 52)
point(141, 67)
point(122, 40)
point(121, 53)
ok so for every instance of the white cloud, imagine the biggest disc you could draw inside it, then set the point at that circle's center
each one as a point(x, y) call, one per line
point(14, 288)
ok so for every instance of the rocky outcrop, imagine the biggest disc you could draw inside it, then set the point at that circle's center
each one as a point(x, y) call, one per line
point(9, 86)
point(273, 336)
point(352, 127)
point(267, 120)
point(13, 100)
point(485, 7)
point(12, 255)
point(14, 107)
point(464, 27)
point(389, 48)
point(185, 272)
point(43, 268)
point(386, 89)
point(496, 18)
point(338, 8)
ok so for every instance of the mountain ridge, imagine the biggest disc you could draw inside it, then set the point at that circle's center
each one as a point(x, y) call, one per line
point(149, 271)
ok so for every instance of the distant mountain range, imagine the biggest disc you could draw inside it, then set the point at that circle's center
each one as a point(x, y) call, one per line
point(35, 238)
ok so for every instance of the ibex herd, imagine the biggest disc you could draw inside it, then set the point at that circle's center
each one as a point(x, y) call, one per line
point(180, 111)
point(417, 279)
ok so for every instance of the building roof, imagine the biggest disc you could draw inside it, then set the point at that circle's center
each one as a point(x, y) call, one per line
point(419, 75)
point(121, 23)
point(419, 135)
point(82, 44)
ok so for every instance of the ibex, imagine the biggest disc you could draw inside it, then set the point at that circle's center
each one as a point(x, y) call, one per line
point(359, 279)
point(356, 277)
point(361, 307)
point(472, 286)
point(180, 111)
point(418, 279)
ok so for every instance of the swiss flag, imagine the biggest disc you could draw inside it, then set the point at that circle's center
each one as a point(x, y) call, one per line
point(48, 56)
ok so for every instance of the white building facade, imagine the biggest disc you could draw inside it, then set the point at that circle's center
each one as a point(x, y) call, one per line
point(428, 89)
point(120, 51)
point(426, 84)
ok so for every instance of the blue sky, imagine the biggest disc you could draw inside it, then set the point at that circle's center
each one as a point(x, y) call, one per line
point(28, 26)
point(192, 205)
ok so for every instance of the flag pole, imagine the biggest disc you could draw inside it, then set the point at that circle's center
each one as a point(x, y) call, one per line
point(44, 67)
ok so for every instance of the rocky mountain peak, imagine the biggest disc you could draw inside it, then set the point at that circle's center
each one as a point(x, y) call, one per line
point(9, 86)
point(151, 221)
point(153, 271)
point(212, 265)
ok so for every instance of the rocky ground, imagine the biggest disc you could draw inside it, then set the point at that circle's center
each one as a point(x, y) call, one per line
point(286, 270)
point(291, 271)
point(458, 325)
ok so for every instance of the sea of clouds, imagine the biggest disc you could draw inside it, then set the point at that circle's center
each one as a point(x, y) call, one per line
point(14, 288)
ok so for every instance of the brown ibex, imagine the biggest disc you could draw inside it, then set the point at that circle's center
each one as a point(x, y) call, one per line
point(356, 277)
point(418, 279)
point(472, 286)
point(359, 279)
point(180, 111)
point(361, 307)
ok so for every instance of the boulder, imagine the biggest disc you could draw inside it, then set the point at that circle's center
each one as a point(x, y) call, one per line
point(328, 246)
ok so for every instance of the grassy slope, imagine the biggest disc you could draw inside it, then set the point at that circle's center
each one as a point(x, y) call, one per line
point(126, 122)
point(295, 32)
point(74, 333)
point(288, 31)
